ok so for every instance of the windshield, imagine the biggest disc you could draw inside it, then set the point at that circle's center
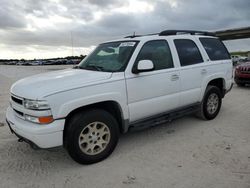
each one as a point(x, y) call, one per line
point(109, 57)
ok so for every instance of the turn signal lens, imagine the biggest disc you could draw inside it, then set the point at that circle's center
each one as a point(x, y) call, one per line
point(39, 120)
point(45, 120)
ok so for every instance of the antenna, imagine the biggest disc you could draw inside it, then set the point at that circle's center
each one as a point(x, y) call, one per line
point(72, 44)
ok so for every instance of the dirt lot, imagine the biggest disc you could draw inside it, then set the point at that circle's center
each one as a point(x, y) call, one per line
point(187, 152)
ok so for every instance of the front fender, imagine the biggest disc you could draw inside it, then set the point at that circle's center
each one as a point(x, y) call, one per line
point(65, 102)
point(68, 107)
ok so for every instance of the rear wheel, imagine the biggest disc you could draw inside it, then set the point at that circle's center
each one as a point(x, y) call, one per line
point(92, 136)
point(211, 103)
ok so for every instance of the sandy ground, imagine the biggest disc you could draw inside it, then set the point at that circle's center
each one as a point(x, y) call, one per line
point(187, 152)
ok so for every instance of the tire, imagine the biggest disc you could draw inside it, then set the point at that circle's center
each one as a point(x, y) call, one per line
point(209, 108)
point(91, 136)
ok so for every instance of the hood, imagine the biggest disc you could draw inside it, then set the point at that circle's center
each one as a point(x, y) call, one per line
point(41, 85)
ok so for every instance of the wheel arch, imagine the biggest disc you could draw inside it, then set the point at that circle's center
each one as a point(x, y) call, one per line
point(110, 106)
point(218, 81)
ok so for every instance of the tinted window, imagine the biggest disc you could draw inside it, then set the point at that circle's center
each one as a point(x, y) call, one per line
point(188, 52)
point(215, 49)
point(158, 52)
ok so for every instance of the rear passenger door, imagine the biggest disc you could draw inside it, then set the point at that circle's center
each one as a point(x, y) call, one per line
point(192, 70)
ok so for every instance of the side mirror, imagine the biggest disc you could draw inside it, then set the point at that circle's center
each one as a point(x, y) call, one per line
point(143, 66)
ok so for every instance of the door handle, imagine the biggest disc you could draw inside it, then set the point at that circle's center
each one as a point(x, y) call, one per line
point(174, 77)
point(203, 71)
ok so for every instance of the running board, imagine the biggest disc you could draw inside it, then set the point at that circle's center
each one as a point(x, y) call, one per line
point(163, 118)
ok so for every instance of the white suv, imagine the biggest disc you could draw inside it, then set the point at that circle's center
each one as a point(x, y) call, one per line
point(130, 83)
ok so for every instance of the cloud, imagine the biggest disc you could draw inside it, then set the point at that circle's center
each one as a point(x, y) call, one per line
point(107, 3)
point(8, 19)
point(49, 23)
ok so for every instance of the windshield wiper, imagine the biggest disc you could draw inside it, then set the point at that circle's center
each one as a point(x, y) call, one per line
point(94, 67)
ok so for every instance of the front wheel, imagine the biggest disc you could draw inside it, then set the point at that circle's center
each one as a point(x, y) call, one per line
point(92, 136)
point(211, 103)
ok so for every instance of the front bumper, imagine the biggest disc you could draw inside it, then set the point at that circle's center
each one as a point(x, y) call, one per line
point(42, 136)
point(242, 80)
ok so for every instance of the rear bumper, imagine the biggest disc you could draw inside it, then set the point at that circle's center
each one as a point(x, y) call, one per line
point(229, 88)
point(225, 91)
point(41, 136)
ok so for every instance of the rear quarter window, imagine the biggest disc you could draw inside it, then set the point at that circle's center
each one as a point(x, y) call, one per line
point(215, 49)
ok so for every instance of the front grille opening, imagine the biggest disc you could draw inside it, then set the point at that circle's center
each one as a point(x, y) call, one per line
point(19, 101)
point(18, 112)
point(245, 69)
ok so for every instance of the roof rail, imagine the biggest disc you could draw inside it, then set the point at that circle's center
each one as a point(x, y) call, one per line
point(191, 32)
point(176, 32)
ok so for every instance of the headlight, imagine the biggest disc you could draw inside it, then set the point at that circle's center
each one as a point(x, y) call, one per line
point(36, 105)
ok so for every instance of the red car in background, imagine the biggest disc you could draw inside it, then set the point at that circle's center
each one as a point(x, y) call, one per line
point(242, 74)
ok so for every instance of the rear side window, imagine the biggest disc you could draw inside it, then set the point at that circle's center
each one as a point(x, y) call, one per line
point(188, 52)
point(215, 49)
point(158, 52)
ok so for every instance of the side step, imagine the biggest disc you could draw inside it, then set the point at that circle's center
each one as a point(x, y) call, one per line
point(163, 118)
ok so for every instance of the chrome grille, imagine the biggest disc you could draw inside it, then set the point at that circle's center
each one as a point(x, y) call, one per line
point(16, 104)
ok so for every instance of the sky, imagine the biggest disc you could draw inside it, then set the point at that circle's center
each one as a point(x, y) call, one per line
point(43, 28)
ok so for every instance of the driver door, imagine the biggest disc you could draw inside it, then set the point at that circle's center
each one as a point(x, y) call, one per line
point(157, 91)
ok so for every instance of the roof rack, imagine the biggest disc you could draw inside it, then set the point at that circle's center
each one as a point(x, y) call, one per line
point(176, 32)
point(191, 32)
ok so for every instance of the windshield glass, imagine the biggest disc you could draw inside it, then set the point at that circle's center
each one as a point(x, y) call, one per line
point(109, 57)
